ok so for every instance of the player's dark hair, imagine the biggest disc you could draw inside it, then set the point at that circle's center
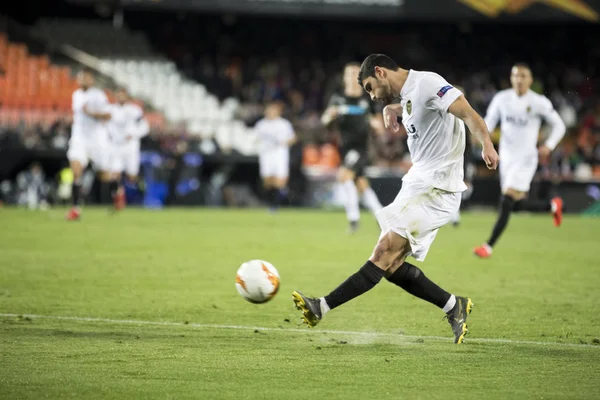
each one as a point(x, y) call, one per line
point(87, 70)
point(367, 67)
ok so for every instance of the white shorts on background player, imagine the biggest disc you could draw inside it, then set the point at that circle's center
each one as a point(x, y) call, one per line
point(125, 158)
point(274, 154)
point(431, 190)
point(274, 163)
point(92, 146)
point(520, 119)
point(126, 127)
point(89, 137)
point(517, 174)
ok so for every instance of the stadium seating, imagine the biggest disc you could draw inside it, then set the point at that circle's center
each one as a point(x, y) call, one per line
point(129, 59)
point(35, 91)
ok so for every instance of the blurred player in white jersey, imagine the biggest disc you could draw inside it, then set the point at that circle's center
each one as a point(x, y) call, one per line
point(434, 114)
point(275, 135)
point(520, 113)
point(126, 128)
point(89, 138)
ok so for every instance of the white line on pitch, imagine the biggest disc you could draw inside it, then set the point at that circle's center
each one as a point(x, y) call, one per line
point(262, 328)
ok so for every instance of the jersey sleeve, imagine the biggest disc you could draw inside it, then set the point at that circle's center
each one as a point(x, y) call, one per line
point(439, 93)
point(492, 115)
point(258, 129)
point(101, 101)
point(549, 114)
point(289, 131)
point(76, 105)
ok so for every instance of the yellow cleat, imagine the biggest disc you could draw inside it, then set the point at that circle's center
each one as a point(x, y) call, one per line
point(310, 307)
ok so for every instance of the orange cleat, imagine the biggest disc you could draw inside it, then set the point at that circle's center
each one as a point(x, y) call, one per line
point(557, 210)
point(483, 251)
point(74, 214)
point(119, 200)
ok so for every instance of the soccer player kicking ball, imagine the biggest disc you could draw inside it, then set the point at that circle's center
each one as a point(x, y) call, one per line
point(520, 112)
point(432, 112)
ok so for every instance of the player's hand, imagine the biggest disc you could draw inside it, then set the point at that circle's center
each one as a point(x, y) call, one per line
point(390, 118)
point(490, 156)
point(544, 151)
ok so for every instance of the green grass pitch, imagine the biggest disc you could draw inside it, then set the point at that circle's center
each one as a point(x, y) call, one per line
point(156, 314)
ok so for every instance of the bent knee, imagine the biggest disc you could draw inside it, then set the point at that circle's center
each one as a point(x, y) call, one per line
point(516, 195)
point(390, 251)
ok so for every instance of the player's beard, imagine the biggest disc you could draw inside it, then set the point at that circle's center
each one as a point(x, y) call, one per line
point(387, 97)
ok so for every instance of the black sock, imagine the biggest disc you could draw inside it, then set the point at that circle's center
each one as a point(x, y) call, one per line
point(278, 197)
point(535, 205)
point(414, 281)
point(76, 193)
point(273, 197)
point(113, 187)
point(364, 280)
point(506, 207)
point(105, 197)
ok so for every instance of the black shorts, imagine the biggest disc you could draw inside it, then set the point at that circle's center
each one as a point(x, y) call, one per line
point(355, 160)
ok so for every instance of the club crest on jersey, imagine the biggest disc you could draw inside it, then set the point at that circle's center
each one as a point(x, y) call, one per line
point(528, 109)
point(443, 90)
point(409, 107)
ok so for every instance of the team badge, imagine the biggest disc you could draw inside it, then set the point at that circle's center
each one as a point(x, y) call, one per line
point(409, 107)
point(528, 109)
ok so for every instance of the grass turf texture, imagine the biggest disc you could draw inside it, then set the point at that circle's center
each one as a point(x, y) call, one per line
point(534, 332)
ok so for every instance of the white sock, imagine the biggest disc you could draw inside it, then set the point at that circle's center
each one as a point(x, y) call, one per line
point(370, 200)
point(324, 306)
point(351, 203)
point(449, 305)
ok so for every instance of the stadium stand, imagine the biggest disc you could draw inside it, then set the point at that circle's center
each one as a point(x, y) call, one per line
point(129, 58)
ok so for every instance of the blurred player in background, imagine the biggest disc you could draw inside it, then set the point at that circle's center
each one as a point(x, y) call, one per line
point(520, 113)
point(275, 135)
point(353, 115)
point(89, 138)
point(126, 128)
point(432, 112)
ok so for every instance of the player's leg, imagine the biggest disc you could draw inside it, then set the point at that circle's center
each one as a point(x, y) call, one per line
point(507, 203)
point(515, 179)
point(390, 251)
point(351, 205)
point(368, 196)
point(282, 172)
point(78, 160)
point(388, 259)
point(553, 206)
point(116, 167)
point(101, 153)
point(265, 168)
point(132, 169)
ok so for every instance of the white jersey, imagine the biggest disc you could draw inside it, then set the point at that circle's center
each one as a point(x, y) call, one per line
point(436, 138)
point(95, 101)
point(521, 118)
point(273, 134)
point(127, 120)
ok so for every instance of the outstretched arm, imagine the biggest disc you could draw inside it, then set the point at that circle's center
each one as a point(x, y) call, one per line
point(463, 110)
